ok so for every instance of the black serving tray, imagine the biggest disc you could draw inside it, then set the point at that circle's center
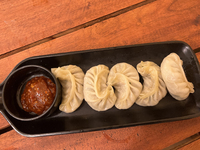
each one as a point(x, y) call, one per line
point(87, 119)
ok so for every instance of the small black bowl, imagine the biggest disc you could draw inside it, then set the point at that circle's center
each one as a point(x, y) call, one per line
point(14, 86)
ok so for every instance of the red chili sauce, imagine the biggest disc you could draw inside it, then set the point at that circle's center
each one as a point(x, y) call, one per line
point(38, 95)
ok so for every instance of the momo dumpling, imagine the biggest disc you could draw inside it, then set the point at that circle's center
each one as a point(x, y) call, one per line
point(154, 88)
point(125, 79)
point(174, 77)
point(71, 78)
point(97, 93)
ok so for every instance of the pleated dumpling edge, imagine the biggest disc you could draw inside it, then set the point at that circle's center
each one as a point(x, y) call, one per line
point(71, 78)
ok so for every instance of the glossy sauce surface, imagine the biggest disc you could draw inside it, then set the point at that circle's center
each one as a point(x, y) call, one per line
point(38, 95)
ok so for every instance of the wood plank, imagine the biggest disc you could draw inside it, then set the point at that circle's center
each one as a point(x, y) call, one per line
point(3, 122)
point(157, 136)
point(198, 56)
point(24, 22)
point(136, 26)
point(192, 146)
point(184, 143)
point(142, 25)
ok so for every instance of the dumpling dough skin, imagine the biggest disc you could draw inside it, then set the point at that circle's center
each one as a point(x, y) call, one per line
point(154, 88)
point(174, 77)
point(98, 94)
point(125, 79)
point(71, 78)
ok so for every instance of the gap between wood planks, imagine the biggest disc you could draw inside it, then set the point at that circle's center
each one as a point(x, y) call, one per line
point(85, 25)
point(197, 50)
point(184, 142)
point(6, 129)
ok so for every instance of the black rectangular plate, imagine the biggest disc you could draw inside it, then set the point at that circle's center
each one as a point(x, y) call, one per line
point(87, 119)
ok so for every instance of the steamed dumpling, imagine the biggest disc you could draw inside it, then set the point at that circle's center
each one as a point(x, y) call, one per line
point(71, 78)
point(154, 88)
point(125, 79)
point(174, 77)
point(98, 94)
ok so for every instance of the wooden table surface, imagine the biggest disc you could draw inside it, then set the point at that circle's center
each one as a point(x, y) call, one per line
point(37, 27)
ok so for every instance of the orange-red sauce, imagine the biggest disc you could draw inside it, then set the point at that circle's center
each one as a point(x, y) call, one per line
point(38, 95)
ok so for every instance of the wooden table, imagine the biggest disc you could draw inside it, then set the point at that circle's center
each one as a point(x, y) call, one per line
point(38, 27)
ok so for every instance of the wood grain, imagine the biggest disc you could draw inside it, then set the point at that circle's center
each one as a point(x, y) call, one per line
point(198, 56)
point(143, 25)
point(158, 21)
point(151, 137)
point(24, 22)
point(184, 143)
point(3, 122)
point(161, 20)
point(192, 146)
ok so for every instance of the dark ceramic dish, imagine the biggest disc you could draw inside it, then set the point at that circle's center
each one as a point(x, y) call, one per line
point(13, 88)
point(86, 119)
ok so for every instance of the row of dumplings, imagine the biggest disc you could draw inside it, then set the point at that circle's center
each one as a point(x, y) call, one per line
point(120, 86)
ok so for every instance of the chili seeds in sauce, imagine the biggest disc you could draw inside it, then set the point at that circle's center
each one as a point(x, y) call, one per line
point(38, 95)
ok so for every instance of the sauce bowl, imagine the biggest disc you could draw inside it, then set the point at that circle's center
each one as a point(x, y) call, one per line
point(14, 86)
